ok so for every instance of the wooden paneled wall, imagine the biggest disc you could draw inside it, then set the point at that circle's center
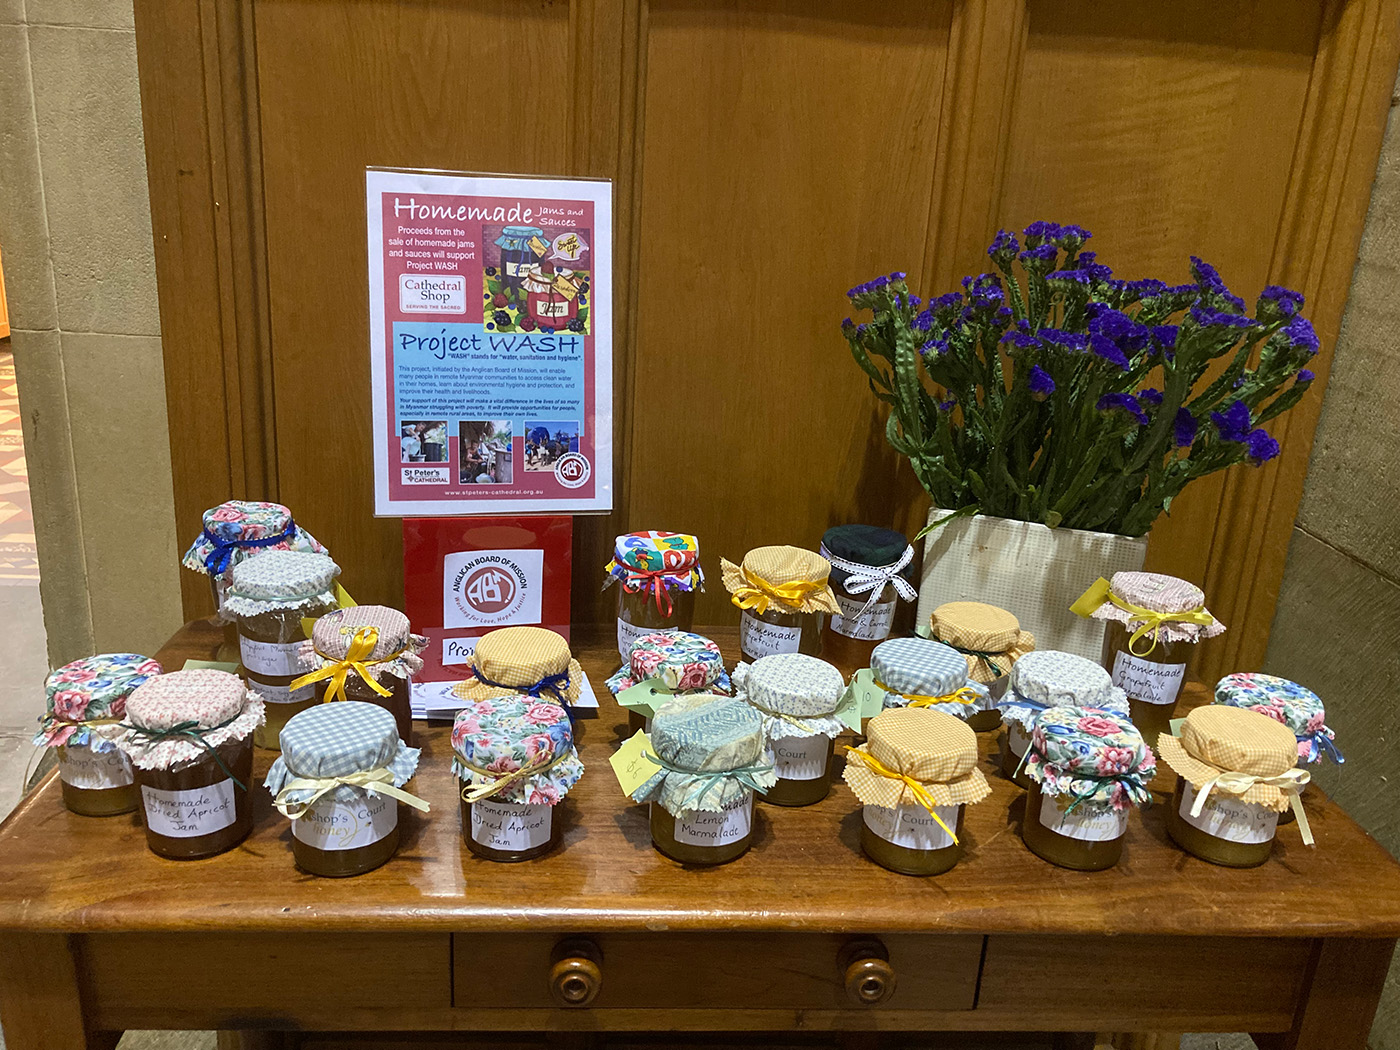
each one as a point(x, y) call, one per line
point(766, 155)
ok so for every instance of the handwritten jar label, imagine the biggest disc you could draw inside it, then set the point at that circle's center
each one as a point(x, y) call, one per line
point(1229, 818)
point(284, 694)
point(765, 639)
point(271, 658)
point(873, 624)
point(1087, 823)
point(510, 826)
point(81, 767)
point(801, 757)
point(1145, 681)
point(911, 826)
point(731, 824)
point(627, 633)
point(189, 814)
point(334, 824)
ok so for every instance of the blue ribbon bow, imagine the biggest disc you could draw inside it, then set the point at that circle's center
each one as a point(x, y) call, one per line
point(557, 684)
point(217, 560)
point(1324, 743)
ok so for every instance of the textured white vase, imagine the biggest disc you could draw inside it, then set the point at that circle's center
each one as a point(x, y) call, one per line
point(1029, 569)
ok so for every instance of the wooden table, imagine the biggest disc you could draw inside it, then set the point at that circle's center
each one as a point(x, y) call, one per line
point(98, 935)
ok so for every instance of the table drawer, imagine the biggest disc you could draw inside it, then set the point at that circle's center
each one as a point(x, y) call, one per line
point(714, 971)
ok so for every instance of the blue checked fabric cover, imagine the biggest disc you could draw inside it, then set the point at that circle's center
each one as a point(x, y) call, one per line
point(1050, 678)
point(802, 687)
point(1296, 706)
point(275, 581)
point(508, 733)
point(683, 661)
point(923, 667)
point(721, 740)
point(1091, 756)
point(91, 688)
point(335, 740)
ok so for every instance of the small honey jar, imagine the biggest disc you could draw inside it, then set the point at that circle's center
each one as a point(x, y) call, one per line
point(991, 640)
point(871, 569)
point(678, 662)
point(797, 696)
point(658, 575)
point(782, 595)
point(1050, 678)
point(522, 661)
point(922, 673)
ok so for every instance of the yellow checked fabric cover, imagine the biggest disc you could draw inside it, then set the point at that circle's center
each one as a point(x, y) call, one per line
point(937, 750)
point(1217, 739)
point(778, 566)
point(518, 658)
point(982, 628)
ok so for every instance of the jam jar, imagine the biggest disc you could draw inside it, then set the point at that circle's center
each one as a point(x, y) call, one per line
point(86, 700)
point(1050, 678)
point(658, 575)
point(515, 762)
point(871, 568)
point(1087, 770)
point(340, 779)
point(914, 776)
point(922, 673)
point(797, 696)
point(374, 639)
point(710, 755)
point(270, 595)
point(673, 662)
point(533, 661)
point(991, 640)
point(189, 735)
point(782, 595)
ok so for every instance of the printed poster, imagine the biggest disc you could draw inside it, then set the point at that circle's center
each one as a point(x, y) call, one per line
point(490, 301)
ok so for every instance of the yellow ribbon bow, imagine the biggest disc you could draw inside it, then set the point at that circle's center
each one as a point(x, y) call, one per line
point(1152, 620)
point(759, 593)
point(1291, 782)
point(357, 659)
point(964, 694)
point(917, 788)
point(501, 781)
point(378, 781)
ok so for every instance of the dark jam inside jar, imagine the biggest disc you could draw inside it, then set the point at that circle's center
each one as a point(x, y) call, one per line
point(194, 809)
point(508, 831)
point(370, 822)
point(1146, 679)
point(96, 783)
point(396, 703)
point(637, 614)
point(269, 653)
point(777, 631)
point(909, 841)
point(1091, 840)
point(1243, 819)
point(704, 838)
point(804, 755)
point(849, 639)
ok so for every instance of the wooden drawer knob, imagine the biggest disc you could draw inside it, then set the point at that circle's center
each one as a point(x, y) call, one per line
point(866, 971)
point(576, 977)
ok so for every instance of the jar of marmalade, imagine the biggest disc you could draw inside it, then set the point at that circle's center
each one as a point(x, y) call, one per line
point(914, 775)
point(340, 779)
point(797, 696)
point(783, 595)
point(270, 596)
point(922, 673)
point(658, 574)
point(870, 569)
point(515, 761)
point(189, 735)
point(991, 640)
point(1050, 678)
point(675, 662)
point(528, 661)
point(1088, 770)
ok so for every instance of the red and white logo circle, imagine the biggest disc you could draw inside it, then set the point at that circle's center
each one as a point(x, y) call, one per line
point(573, 470)
point(489, 589)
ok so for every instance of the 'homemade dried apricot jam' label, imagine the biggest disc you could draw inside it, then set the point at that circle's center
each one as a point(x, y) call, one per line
point(189, 814)
point(510, 826)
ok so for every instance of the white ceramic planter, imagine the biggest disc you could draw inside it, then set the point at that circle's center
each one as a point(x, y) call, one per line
point(1028, 569)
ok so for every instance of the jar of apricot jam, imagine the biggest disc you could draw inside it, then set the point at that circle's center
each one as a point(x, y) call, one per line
point(658, 575)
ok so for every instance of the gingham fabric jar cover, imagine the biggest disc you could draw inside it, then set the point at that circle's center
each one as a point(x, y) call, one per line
point(1217, 739)
point(280, 581)
point(936, 751)
point(495, 739)
point(1160, 594)
point(240, 529)
point(712, 748)
point(337, 740)
point(218, 704)
point(796, 694)
point(1296, 706)
point(513, 660)
point(681, 660)
point(911, 669)
point(989, 638)
point(335, 632)
point(94, 688)
point(785, 579)
point(1094, 758)
point(644, 560)
point(1051, 678)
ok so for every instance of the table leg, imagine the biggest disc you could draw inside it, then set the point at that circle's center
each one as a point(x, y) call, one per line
point(1339, 997)
point(40, 1008)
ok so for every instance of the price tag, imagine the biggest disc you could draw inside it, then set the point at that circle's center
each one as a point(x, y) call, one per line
point(631, 766)
point(869, 696)
point(644, 697)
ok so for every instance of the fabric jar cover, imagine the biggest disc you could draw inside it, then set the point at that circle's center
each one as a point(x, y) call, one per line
point(516, 660)
point(215, 706)
point(796, 694)
point(642, 560)
point(1296, 706)
point(93, 689)
point(989, 638)
point(395, 652)
point(280, 581)
point(877, 552)
point(912, 670)
point(338, 740)
point(497, 741)
point(231, 527)
point(1097, 759)
point(789, 579)
point(934, 750)
point(1217, 739)
point(682, 660)
point(1160, 594)
point(712, 748)
point(1051, 678)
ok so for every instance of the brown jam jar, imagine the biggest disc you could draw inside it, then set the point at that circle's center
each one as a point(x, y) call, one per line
point(1231, 819)
point(908, 841)
point(865, 560)
point(637, 615)
point(1152, 681)
point(194, 809)
point(369, 815)
point(658, 575)
point(96, 783)
point(508, 831)
point(396, 703)
point(776, 631)
point(1013, 747)
point(804, 754)
point(703, 838)
point(848, 639)
point(269, 654)
point(1091, 841)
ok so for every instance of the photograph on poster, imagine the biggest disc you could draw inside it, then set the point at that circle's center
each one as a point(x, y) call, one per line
point(486, 450)
point(546, 442)
point(423, 441)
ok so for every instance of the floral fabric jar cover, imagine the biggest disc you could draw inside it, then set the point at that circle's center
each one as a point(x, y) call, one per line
point(87, 698)
point(1296, 706)
point(239, 529)
point(681, 660)
point(515, 749)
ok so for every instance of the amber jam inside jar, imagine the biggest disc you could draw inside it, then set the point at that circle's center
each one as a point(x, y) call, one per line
point(1229, 831)
point(1088, 839)
point(396, 703)
point(637, 614)
point(848, 639)
point(909, 841)
point(1013, 747)
point(803, 765)
point(697, 837)
point(96, 783)
point(778, 631)
point(508, 831)
point(337, 838)
point(269, 650)
point(194, 809)
point(1151, 682)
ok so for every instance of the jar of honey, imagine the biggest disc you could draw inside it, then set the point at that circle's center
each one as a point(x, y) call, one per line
point(529, 661)
point(675, 662)
point(710, 754)
point(1088, 769)
point(797, 696)
point(86, 701)
point(871, 568)
point(189, 735)
point(658, 575)
point(515, 762)
point(914, 775)
point(922, 673)
point(782, 596)
point(991, 640)
point(1050, 678)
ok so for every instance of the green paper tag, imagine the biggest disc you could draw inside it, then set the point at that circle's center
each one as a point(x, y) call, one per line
point(848, 709)
point(1176, 724)
point(869, 696)
point(644, 697)
point(924, 631)
point(209, 665)
point(631, 766)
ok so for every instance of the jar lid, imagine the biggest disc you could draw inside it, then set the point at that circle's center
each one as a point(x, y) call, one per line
point(395, 650)
point(914, 746)
point(925, 673)
point(281, 581)
point(337, 740)
point(516, 237)
point(534, 661)
point(93, 689)
point(681, 660)
point(1296, 706)
point(169, 716)
point(990, 638)
point(641, 557)
point(1051, 678)
point(787, 578)
point(1153, 592)
point(1091, 756)
point(871, 547)
point(1218, 740)
point(239, 529)
point(711, 749)
point(797, 694)
point(515, 749)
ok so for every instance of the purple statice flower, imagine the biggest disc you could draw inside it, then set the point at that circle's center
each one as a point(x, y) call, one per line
point(915, 302)
point(1041, 257)
point(1020, 340)
point(938, 345)
point(898, 275)
point(879, 282)
point(1165, 335)
point(1262, 446)
point(1127, 334)
point(861, 329)
point(1205, 316)
point(1118, 402)
point(1040, 383)
point(1233, 423)
point(1184, 428)
point(922, 321)
point(1145, 288)
point(1208, 279)
point(1040, 230)
point(1069, 238)
point(983, 291)
point(1300, 335)
point(1066, 278)
point(898, 301)
point(1004, 247)
point(1284, 302)
point(1088, 262)
point(949, 405)
point(859, 289)
point(1182, 290)
point(1107, 349)
point(1074, 341)
point(848, 326)
point(1151, 395)
point(1304, 377)
point(947, 301)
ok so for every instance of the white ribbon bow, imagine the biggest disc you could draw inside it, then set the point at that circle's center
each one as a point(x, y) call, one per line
point(1291, 782)
point(861, 579)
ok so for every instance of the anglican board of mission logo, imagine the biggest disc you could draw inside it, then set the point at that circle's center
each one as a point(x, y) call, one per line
point(492, 588)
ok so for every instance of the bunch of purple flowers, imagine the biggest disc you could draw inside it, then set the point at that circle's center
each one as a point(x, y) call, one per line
point(1063, 395)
